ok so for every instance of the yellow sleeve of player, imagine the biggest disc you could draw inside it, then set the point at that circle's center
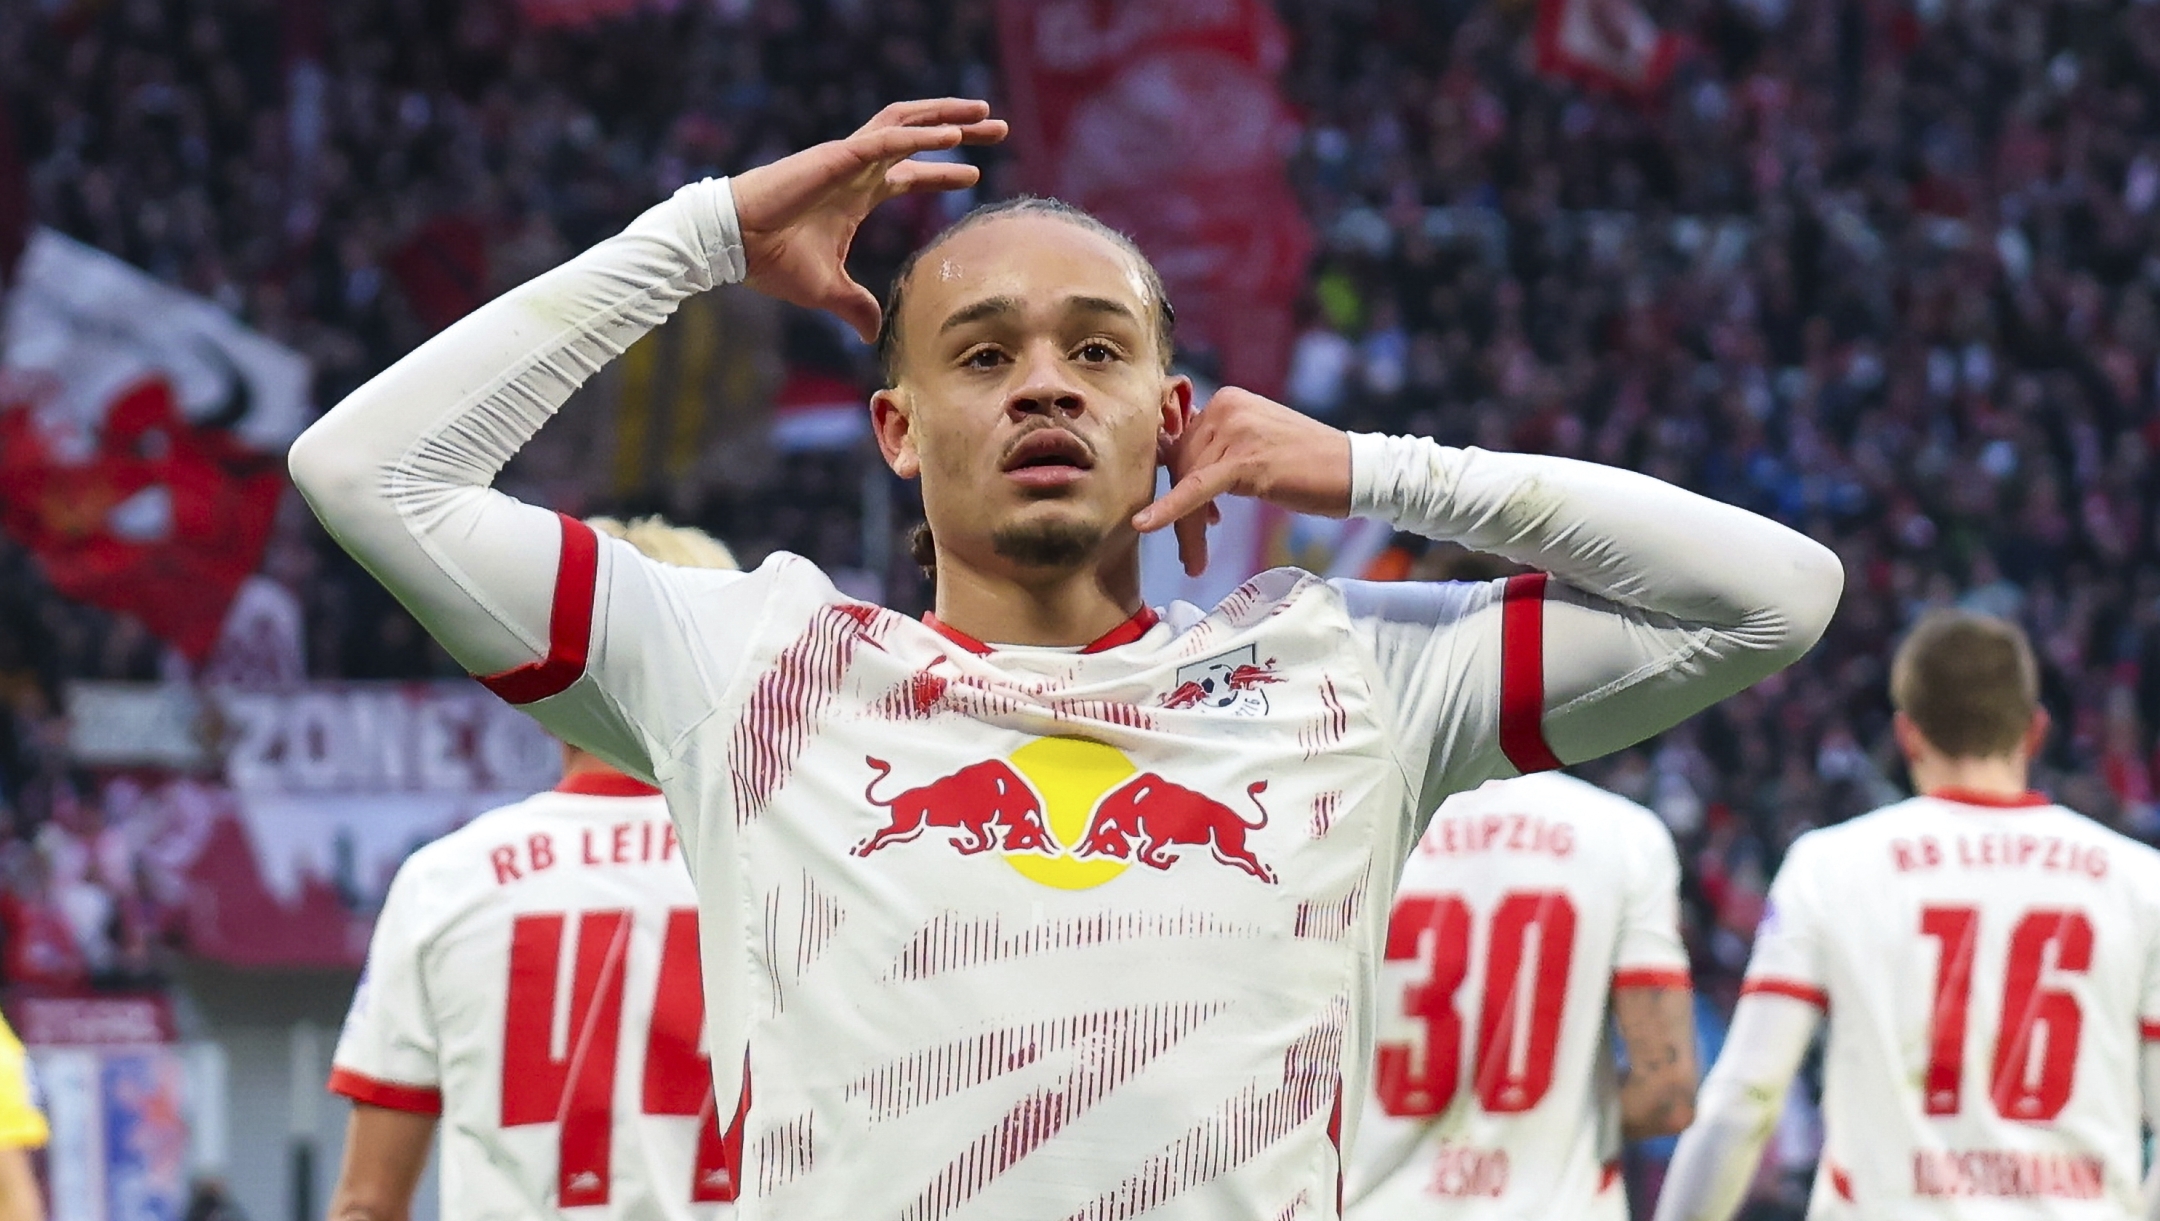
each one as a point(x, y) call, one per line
point(22, 1125)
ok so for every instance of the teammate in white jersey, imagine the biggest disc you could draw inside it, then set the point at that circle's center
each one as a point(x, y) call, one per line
point(1082, 922)
point(1535, 915)
point(1990, 966)
point(533, 981)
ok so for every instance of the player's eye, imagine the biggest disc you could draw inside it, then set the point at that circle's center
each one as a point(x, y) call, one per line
point(982, 358)
point(1095, 352)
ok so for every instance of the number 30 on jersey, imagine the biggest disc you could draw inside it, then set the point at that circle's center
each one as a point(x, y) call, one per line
point(1529, 944)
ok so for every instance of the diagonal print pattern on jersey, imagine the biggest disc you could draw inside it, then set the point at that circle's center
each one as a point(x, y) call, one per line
point(1108, 1048)
point(786, 1153)
point(1242, 1126)
point(938, 1072)
point(790, 697)
point(954, 943)
point(1331, 919)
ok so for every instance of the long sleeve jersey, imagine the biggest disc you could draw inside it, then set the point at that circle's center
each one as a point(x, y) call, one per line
point(1022, 932)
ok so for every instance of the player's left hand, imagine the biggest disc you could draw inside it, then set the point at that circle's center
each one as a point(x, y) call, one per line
point(1240, 444)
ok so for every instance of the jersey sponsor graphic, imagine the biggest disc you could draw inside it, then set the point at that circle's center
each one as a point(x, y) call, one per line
point(1150, 814)
point(975, 803)
point(1231, 682)
point(1067, 812)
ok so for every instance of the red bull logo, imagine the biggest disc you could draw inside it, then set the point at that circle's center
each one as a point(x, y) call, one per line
point(1066, 812)
point(1150, 814)
point(976, 803)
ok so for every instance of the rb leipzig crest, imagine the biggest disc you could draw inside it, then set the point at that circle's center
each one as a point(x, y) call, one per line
point(1230, 682)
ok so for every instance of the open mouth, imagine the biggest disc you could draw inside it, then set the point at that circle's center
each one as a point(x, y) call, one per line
point(1051, 452)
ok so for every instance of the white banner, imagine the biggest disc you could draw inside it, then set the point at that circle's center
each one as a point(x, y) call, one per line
point(82, 326)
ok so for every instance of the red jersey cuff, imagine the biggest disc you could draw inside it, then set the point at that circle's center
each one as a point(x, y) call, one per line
point(569, 623)
point(418, 1099)
point(1786, 987)
point(1522, 675)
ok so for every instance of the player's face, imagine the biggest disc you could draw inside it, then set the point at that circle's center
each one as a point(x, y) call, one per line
point(1030, 395)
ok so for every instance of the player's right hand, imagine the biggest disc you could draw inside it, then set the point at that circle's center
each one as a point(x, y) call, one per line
point(799, 213)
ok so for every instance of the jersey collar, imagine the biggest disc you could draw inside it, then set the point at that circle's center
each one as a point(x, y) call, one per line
point(1993, 801)
point(605, 784)
point(1124, 633)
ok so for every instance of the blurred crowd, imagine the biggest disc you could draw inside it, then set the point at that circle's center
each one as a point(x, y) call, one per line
point(1882, 268)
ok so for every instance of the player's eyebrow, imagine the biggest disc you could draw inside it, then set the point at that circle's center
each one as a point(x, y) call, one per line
point(1101, 305)
point(988, 307)
point(994, 307)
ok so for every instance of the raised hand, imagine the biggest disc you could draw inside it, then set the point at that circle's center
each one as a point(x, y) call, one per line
point(1243, 445)
point(799, 213)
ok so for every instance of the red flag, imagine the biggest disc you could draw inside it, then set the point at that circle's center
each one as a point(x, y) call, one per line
point(1162, 118)
point(1605, 44)
point(140, 434)
point(162, 521)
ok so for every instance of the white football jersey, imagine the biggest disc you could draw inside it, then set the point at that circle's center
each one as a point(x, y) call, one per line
point(533, 979)
point(1989, 969)
point(1048, 933)
point(1495, 1092)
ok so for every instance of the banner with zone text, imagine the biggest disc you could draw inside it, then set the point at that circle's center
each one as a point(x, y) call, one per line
point(1162, 118)
point(266, 825)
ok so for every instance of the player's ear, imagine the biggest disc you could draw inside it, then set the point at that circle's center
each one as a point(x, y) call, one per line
point(2036, 734)
point(1910, 743)
point(890, 420)
point(1177, 406)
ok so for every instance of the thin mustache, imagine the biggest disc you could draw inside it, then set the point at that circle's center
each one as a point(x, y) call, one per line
point(1014, 444)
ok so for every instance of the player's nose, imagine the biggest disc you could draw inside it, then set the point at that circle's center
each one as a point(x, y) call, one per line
point(1045, 385)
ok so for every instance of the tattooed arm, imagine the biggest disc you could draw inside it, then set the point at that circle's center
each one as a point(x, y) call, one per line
point(1657, 1096)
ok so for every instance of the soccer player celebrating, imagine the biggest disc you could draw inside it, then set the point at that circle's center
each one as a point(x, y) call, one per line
point(1020, 910)
point(533, 979)
point(1534, 914)
point(1990, 963)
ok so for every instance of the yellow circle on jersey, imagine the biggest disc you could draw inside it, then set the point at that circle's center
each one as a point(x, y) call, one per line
point(1072, 774)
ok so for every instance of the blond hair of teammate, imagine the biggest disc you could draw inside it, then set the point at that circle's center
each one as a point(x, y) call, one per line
point(662, 540)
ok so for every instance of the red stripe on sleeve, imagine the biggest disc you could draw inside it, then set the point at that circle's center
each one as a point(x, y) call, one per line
point(569, 623)
point(1785, 987)
point(2150, 1030)
point(418, 1099)
point(1654, 977)
point(1522, 675)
